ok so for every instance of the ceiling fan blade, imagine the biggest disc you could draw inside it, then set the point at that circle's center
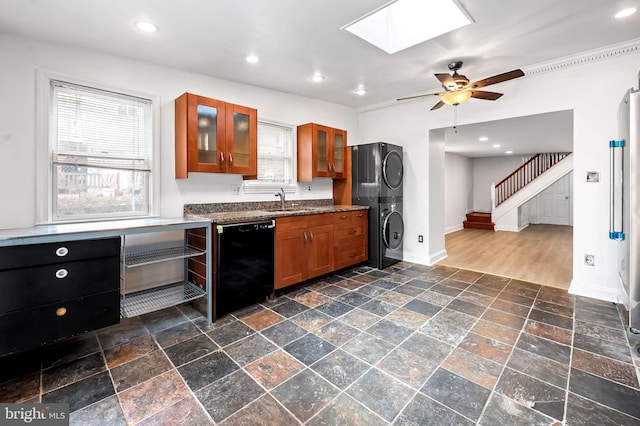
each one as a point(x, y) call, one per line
point(418, 96)
point(446, 80)
point(497, 79)
point(489, 96)
point(438, 105)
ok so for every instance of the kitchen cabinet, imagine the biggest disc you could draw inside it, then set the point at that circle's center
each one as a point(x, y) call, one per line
point(321, 152)
point(304, 248)
point(350, 238)
point(213, 136)
point(58, 281)
point(57, 290)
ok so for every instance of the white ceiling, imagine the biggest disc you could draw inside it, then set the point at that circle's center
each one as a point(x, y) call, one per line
point(295, 38)
point(532, 134)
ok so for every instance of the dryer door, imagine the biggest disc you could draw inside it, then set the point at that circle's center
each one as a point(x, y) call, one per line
point(392, 169)
point(393, 230)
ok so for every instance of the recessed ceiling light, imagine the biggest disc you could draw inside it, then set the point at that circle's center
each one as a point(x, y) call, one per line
point(405, 23)
point(483, 138)
point(508, 152)
point(625, 12)
point(360, 91)
point(317, 78)
point(252, 59)
point(146, 27)
point(496, 146)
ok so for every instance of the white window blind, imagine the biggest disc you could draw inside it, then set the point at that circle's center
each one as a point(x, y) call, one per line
point(101, 145)
point(275, 153)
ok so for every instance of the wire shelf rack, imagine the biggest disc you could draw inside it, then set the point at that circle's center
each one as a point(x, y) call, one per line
point(152, 300)
point(161, 255)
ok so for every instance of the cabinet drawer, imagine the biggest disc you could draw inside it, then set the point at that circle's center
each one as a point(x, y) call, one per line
point(350, 256)
point(342, 220)
point(349, 235)
point(44, 254)
point(31, 328)
point(39, 285)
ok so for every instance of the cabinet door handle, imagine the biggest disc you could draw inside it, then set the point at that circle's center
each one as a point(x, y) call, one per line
point(311, 232)
point(352, 231)
point(61, 311)
point(230, 161)
point(62, 251)
point(352, 255)
point(221, 159)
point(305, 238)
point(61, 273)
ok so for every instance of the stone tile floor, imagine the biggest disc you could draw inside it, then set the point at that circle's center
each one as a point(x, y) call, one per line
point(409, 345)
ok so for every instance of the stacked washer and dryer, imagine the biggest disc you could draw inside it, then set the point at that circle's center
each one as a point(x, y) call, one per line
point(377, 174)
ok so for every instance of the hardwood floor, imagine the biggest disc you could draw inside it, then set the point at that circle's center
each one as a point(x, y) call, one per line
point(540, 253)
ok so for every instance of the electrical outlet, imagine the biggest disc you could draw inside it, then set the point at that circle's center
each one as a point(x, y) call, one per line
point(420, 239)
point(235, 189)
point(589, 260)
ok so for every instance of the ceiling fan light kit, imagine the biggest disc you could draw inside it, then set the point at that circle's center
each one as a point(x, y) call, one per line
point(456, 97)
point(458, 90)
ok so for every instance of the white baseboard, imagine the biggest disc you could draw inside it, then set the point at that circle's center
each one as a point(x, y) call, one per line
point(607, 294)
point(507, 228)
point(453, 228)
point(437, 257)
point(409, 257)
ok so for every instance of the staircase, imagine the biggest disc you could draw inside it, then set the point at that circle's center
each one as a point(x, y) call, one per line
point(524, 175)
point(478, 220)
point(523, 184)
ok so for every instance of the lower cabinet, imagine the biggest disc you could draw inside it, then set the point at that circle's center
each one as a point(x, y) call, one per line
point(313, 245)
point(350, 238)
point(57, 290)
point(303, 248)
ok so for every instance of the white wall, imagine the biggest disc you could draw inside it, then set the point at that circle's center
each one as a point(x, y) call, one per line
point(488, 170)
point(458, 190)
point(595, 105)
point(22, 57)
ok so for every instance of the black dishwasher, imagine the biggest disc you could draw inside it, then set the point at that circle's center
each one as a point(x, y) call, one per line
point(245, 259)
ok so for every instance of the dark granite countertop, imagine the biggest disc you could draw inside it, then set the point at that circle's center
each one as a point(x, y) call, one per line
point(240, 216)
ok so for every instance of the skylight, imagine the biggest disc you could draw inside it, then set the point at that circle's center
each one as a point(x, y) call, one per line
point(405, 23)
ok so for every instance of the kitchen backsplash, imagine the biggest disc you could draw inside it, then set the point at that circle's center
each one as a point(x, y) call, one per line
point(254, 205)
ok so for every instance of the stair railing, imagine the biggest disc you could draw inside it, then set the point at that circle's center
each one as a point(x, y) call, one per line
point(523, 175)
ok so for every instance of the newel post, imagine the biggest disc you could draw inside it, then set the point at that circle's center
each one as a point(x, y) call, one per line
point(493, 197)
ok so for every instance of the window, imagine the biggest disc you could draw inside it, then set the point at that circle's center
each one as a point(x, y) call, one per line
point(275, 158)
point(101, 145)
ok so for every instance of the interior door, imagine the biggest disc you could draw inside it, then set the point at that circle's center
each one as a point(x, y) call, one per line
point(555, 203)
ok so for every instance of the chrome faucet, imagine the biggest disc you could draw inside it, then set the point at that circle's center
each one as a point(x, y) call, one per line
point(282, 198)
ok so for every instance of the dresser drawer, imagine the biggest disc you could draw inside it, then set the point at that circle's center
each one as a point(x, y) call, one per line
point(48, 253)
point(40, 285)
point(30, 328)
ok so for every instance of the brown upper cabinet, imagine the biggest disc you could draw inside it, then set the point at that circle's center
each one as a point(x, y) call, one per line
point(321, 152)
point(213, 136)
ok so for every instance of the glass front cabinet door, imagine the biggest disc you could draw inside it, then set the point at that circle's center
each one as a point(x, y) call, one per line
point(213, 136)
point(321, 152)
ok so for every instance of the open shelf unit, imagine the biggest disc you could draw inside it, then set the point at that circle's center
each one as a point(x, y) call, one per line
point(160, 297)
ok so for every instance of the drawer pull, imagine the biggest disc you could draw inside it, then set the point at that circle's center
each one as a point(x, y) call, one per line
point(343, 217)
point(352, 255)
point(61, 273)
point(61, 311)
point(352, 231)
point(359, 215)
point(62, 251)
